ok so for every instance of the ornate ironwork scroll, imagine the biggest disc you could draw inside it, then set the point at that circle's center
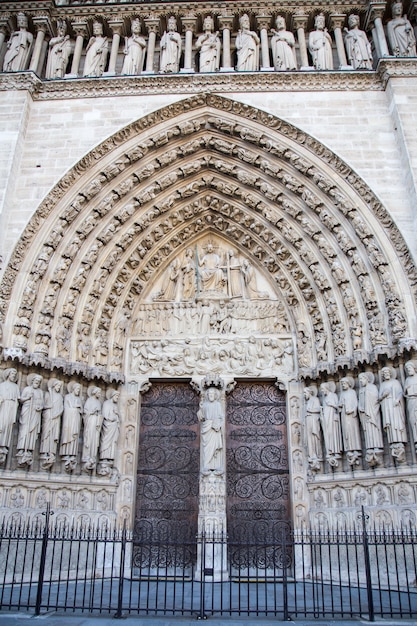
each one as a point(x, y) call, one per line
point(167, 476)
point(258, 504)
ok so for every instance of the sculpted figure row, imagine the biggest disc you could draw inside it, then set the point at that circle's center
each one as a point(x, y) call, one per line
point(59, 420)
point(208, 45)
point(337, 418)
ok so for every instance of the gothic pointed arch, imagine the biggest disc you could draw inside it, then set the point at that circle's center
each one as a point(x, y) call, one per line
point(208, 169)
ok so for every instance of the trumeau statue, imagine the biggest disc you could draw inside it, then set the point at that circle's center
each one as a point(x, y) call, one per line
point(51, 423)
point(370, 418)
point(209, 46)
point(60, 48)
point(283, 47)
point(391, 398)
point(9, 402)
point(109, 432)
point(410, 393)
point(134, 50)
point(320, 45)
point(19, 47)
point(96, 52)
point(170, 48)
point(71, 425)
point(92, 420)
point(247, 46)
point(358, 48)
point(32, 401)
point(211, 418)
point(400, 33)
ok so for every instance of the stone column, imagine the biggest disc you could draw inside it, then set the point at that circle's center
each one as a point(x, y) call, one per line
point(41, 24)
point(336, 22)
point(116, 26)
point(80, 29)
point(375, 15)
point(152, 26)
point(300, 21)
point(226, 25)
point(189, 24)
point(264, 22)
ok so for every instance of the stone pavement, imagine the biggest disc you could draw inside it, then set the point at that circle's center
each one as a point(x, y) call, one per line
point(52, 619)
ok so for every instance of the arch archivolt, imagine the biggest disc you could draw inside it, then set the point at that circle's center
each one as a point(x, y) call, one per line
point(207, 169)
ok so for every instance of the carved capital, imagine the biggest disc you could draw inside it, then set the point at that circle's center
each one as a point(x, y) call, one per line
point(337, 20)
point(226, 22)
point(189, 24)
point(263, 21)
point(152, 25)
point(80, 28)
point(42, 24)
point(116, 26)
point(376, 10)
point(300, 20)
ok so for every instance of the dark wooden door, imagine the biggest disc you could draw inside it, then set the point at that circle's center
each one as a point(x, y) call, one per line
point(258, 502)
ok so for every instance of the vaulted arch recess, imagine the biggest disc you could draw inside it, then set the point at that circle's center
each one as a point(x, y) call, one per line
point(324, 251)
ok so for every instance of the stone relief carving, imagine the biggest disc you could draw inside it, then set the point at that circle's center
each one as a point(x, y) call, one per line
point(19, 47)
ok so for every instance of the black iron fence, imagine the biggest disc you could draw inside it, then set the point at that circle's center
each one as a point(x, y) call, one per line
point(309, 574)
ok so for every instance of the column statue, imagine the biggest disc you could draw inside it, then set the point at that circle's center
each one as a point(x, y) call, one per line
point(348, 405)
point(19, 47)
point(71, 426)
point(358, 48)
point(51, 423)
point(30, 419)
point(313, 430)
point(331, 424)
point(92, 419)
point(320, 45)
point(391, 398)
point(247, 47)
point(410, 393)
point(370, 418)
point(134, 50)
point(209, 46)
point(9, 402)
point(283, 47)
point(109, 432)
point(60, 49)
point(170, 48)
point(400, 33)
point(211, 418)
point(96, 52)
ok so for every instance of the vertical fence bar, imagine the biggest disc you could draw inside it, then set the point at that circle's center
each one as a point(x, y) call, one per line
point(42, 563)
point(118, 613)
point(367, 568)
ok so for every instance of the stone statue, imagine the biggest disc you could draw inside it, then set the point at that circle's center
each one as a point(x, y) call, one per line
point(71, 426)
point(249, 279)
point(211, 418)
point(247, 47)
point(51, 423)
point(410, 393)
point(134, 50)
point(320, 45)
point(188, 275)
point(391, 398)
point(92, 419)
point(209, 46)
point(358, 48)
point(30, 419)
point(348, 405)
point(400, 33)
point(313, 430)
point(283, 47)
point(60, 48)
point(9, 402)
point(235, 275)
point(109, 432)
point(170, 284)
point(19, 47)
point(331, 424)
point(370, 418)
point(211, 274)
point(170, 48)
point(96, 52)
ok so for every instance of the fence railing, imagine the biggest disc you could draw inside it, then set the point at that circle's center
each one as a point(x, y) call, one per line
point(310, 574)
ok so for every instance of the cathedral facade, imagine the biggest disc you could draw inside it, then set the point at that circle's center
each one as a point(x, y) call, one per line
point(209, 248)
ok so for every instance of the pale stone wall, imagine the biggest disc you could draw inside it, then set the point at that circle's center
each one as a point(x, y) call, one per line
point(371, 130)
